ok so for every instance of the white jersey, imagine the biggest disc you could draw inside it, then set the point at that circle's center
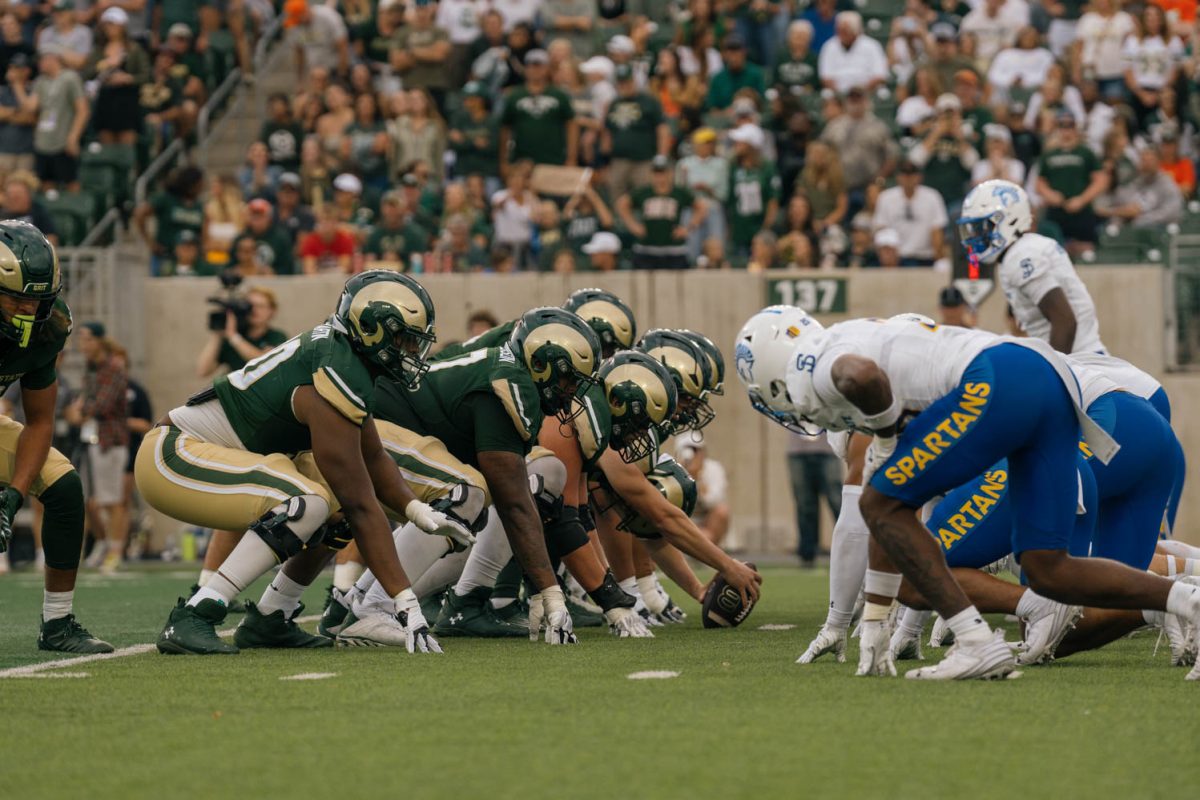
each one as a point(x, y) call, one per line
point(1029, 270)
point(923, 364)
point(1094, 370)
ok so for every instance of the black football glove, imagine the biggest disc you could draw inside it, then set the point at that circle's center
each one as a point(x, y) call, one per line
point(10, 504)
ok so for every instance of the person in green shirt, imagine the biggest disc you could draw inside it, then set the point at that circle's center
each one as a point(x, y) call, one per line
point(186, 259)
point(945, 155)
point(274, 245)
point(635, 131)
point(738, 74)
point(655, 215)
point(538, 122)
point(281, 133)
point(754, 188)
point(177, 208)
point(796, 72)
point(1070, 177)
point(420, 50)
point(398, 235)
point(474, 134)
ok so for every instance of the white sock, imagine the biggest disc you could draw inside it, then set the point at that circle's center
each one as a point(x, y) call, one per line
point(418, 551)
point(249, 560)
point(969, 627)
point(847, 559)
point(283, 593)
point(39, 558)
point(631, 588)
point(488, 556)
point(501, 602)
point(913, 621)
point(56, 605)
point(206, 575)
point(1029, 603)
point(1183, 600)
point(1172, 569)
point(344, 575)
point(1156, 618)
point(443, 573)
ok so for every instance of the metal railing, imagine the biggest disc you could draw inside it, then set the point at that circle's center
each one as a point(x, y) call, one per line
point(1183, 303)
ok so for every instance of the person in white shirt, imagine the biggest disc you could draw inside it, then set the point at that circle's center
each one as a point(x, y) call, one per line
point(998, 162)
point(850, 59)
point(711, 514)
point(1152, 59)
point(917, 213)
point(460, 19)
point(1096, 53)
point(514, 11)
point(1025, 65)
point(994, 24)
point(319, 36)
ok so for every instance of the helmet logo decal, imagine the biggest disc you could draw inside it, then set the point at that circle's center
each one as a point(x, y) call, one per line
point(743, 358)
point(1007, 195)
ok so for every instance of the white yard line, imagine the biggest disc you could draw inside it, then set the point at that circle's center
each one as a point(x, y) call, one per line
point(653, 674)
point(30, 670)
point(308, 676)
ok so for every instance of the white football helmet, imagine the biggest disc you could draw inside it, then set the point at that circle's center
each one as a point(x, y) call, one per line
point(994, 215)
point(762, 352)
point(912, 316)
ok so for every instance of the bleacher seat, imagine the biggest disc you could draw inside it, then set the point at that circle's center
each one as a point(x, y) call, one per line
point(74, 213)
point(106, 172)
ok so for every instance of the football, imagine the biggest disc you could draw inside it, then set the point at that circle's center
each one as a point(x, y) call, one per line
point(722, 606)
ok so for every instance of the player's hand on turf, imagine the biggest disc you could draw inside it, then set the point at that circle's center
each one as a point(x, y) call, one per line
point(828, 640)
point(548, 612)
point(624, 623)
point(875, 654)
point(10, 504)
point(416, 629)
point(648, 616)
point(878, 453)
point(745, 579)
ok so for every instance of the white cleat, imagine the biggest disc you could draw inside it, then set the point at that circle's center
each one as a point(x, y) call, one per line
point(874, 654)
point(376, 630)
point(828, 640)
point(906, 645)
point(987, 661)
point(941, 635)
point(1045, 629)
point(1194, 675)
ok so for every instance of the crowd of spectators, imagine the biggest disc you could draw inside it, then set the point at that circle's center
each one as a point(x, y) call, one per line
point(576, 135)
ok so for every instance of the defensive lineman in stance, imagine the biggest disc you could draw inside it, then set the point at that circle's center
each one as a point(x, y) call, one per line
point(943, 405)
point(224, 460)
point(34, 325)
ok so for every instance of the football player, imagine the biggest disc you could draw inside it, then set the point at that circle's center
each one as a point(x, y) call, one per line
point(224, 460)
point(942, 406)
point(34, 325)
point(1046, 296)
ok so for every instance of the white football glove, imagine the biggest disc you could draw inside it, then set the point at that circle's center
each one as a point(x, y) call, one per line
point(827, 640)
point(548, 609)
point(878, 453)
point(646, 614)
point(436, 523)
point(875, 653)
point(655, 598)
point(625, 624)
point(416, 629)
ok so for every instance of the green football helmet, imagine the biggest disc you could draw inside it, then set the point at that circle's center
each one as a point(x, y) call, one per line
point(642, 397)
point(716, 385)
point(609, 316)
point(30, 276)
point(674, 483)
point(562, 353)
point(692, 371)
point(389, 319)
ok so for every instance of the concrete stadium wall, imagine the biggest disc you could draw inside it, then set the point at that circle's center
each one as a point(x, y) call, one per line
point(716, 303)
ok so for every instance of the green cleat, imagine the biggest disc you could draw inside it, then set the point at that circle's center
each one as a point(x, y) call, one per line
point(333, 616)
point(275, 630)
point(472, 615)
point(66, 635)
point(192, 630)
point(583, 617)
point(516, 613)
point(431, 604)
point(235, 606)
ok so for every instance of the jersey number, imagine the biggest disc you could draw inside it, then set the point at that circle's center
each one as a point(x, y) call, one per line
point(248, 375)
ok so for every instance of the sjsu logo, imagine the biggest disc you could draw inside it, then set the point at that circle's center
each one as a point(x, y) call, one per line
point(1007, 195)
point(806, 362)
point(743, 358)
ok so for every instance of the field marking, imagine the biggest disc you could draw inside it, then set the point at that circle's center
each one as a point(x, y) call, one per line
point(57, 675)
point(30, 670)
point(308, 676)
point(773, 626)
point(651, 675)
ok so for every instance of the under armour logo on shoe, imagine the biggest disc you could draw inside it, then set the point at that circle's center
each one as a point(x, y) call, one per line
point(457, 618)
point(169, 632)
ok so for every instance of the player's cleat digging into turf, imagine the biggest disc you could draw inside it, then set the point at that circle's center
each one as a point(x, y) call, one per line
point(827, 640)
point(941, 635)
point(275, 630)
point(472, 615)
point(333, 616)
point(373, 630)
point(985, 661)
point(1045, 628)
point(906, 645)
point(66, 635)
point(514, 613)
point(192, 630)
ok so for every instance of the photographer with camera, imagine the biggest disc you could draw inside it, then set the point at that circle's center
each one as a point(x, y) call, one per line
point(240, 328)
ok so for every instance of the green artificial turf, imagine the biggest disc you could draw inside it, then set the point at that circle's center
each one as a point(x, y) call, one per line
point(512, 719)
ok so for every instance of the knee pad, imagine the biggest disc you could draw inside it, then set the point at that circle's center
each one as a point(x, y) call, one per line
point(585, 518)
point(334, 535)
point(547, 480)
point(465, 503)
point(565, 534)
point(288, 527)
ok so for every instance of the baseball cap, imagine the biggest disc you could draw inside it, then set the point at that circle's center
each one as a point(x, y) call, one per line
point(1063, 116)
point(967, 76)
point(289, 179)
point(621, 44)
point(887, 237)
point(748, 134)
point(259, 206)
point(703, 135)
point(1166, 132)
point(733, 41)
point(410, 180)
point(947, 102)
point(623, 72)
point(993, 130)
point(184, 237)
point(64, 5)
point(537, 56)
point(474, 89)
point(660, 163)
point(944, 32)
point(597, 65)
point(951, 297)
point(744, 107)
point(179, 29)
point(862, 221)
point(603, 242)
point(115, 15)
point(348, 183)
point(97, 329)
point(294, 12)
point(390, 197)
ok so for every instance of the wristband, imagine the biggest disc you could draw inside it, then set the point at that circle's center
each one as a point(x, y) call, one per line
point(889, 416)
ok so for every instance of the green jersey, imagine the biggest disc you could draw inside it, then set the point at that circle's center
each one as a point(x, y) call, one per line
point(409, 238)
point(258, 397)
point(633, 124)
point(945, 172)
point(495, 337)
point(476, 154)
point(796, 76)
point(751, 189)
point(274, 249)
point(34, 366)
point(538, 124)
point(661, 214)
point(481, 401)
point(173, 216)
point(1068, 171)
